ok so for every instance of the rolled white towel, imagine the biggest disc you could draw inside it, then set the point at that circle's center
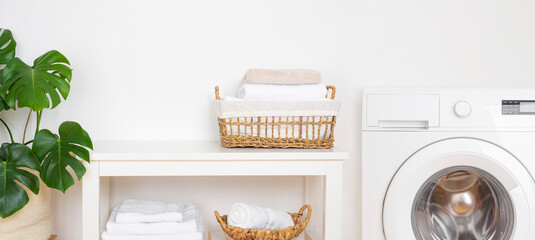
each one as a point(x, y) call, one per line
point(278, 219)
point(253, 217)
point(189, 223)
point(248, 216)
point(139, 211)
point(283, 92)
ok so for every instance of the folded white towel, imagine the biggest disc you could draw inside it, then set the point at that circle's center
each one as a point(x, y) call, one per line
point(190, 222)
point(282, 76)
point(248, 216)
point(139, 211)
point(178, 236)
point(283, 92)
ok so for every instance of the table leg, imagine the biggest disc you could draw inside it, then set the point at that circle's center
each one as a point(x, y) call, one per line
point(90, 203)
point(314, 195)
point(333, 201)
point(104, 202)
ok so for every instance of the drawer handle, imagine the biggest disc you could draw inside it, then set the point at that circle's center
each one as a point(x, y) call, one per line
point(405, 124)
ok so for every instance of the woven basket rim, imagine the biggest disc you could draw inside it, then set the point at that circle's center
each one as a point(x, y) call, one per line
point(296, 217)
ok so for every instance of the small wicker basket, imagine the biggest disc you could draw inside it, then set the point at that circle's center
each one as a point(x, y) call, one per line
point(288, 233)
point(278, 131)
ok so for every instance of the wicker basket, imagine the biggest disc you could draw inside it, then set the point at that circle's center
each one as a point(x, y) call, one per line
point(266, 132)
point(288, 233)
point(33, 221)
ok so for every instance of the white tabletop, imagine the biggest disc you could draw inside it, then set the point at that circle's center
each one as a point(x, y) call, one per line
point(202, 151)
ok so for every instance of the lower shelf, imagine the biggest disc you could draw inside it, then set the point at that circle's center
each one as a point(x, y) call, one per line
point(220, 235)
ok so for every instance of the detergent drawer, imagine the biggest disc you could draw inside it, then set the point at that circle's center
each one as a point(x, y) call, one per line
point(403, 111)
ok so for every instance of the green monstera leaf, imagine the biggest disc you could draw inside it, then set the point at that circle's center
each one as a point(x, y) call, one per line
point(7, 52)
point(36, 87)
point(57, 152)
point(15, 159)
point(7, 46)
point(3, 105)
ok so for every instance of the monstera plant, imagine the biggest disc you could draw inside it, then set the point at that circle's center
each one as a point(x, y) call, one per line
point(38, 87)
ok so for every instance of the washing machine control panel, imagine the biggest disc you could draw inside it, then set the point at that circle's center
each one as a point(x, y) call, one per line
point(518, 107)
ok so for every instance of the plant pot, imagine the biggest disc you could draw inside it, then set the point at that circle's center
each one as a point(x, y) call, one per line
point(33, 221)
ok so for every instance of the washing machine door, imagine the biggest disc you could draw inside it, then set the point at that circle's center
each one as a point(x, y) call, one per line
point(460, 189)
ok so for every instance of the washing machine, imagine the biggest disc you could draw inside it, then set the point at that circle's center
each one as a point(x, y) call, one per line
point(455, 164)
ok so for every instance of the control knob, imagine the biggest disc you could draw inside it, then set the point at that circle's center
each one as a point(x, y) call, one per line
point(462, 109)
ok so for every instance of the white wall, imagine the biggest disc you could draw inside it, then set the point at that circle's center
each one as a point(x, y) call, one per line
point(146, 69)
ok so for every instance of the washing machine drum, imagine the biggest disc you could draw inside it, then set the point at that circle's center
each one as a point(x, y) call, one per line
point(462, 203)
point(460, 189)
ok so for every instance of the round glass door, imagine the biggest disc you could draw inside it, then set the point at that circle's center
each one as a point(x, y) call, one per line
point(462, 203)
point(460, 189)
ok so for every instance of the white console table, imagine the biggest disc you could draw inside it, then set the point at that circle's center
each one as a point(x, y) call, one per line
point(322, 170)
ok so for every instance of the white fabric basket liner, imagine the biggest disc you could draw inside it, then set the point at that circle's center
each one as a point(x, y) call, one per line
point(249, 108)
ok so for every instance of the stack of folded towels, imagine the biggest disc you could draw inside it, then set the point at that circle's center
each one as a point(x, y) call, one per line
point(153, 220)
point(254, 217)
point(282, 85)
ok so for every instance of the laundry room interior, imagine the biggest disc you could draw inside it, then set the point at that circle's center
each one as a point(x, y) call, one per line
point(146, 72)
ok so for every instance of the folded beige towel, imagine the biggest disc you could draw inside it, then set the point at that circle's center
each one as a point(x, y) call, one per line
point(282, 76)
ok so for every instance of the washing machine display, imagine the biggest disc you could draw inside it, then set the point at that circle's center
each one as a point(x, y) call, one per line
point(518, 107)
point(462, 203)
